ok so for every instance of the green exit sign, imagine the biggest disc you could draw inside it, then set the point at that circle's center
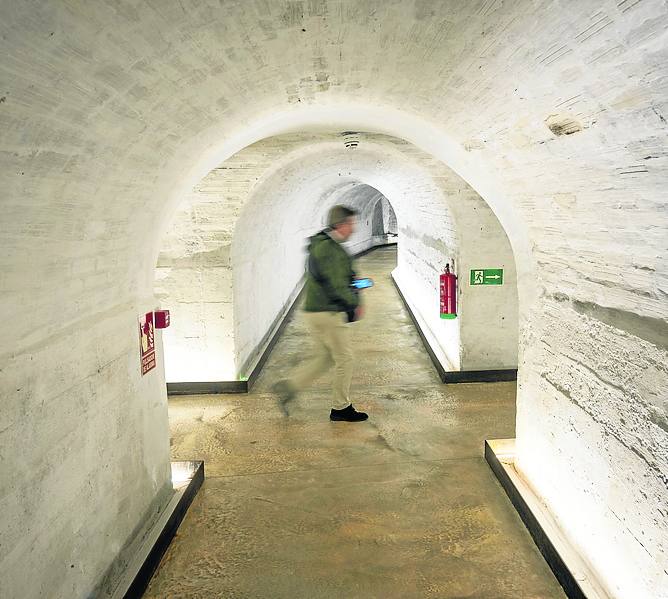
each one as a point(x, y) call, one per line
point(487, 276)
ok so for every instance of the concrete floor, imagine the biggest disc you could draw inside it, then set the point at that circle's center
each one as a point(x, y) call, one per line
point(403, 505)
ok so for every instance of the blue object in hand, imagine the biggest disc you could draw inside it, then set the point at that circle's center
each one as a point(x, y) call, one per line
point(364, 283)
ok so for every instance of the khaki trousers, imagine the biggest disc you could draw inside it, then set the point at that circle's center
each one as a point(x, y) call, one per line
point(332, 334)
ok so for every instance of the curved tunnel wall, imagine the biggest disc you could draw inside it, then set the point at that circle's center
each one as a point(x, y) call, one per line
point(110, 112)
point(295, 189)
point(195, 272)
point(268, 250)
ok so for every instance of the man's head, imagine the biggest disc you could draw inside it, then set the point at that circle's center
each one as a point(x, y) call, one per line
point(342, 220)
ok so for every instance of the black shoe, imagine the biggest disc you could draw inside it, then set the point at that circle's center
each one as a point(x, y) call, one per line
point(285, 395)
point(348, 414)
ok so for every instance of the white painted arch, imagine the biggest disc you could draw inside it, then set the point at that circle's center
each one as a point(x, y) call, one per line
point(441, 220)
point(220, 145)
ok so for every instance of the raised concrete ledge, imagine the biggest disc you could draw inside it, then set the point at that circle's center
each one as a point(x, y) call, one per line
point(454, 376)
point(244, 386)
point(573, 573)
point(187, 478)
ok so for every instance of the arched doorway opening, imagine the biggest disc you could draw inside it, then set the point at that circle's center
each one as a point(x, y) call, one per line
point(232, 263)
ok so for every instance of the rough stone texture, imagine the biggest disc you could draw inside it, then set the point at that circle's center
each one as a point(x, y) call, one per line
point(110, 112)
point(628, 371)
point(400, 506)
point(441, 220)
point(84, 464)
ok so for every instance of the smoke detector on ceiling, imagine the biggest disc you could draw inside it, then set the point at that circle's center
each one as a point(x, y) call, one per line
point(351, 139)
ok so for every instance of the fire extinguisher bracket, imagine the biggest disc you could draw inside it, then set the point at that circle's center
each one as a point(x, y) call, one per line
point(448, 316)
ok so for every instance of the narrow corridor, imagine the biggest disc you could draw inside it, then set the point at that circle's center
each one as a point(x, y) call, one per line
point(403, 505)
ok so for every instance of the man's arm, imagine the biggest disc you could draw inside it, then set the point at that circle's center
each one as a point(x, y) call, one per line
point(335, 272)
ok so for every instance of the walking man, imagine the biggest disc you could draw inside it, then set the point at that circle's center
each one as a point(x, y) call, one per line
point(331, 305)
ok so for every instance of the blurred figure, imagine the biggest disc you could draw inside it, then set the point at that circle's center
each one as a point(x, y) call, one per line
point(331, 305)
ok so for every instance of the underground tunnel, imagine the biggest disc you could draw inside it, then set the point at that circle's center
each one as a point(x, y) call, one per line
point(225, 298)
point(177, 155)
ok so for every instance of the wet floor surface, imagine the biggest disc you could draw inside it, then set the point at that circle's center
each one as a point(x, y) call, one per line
point(403, 505)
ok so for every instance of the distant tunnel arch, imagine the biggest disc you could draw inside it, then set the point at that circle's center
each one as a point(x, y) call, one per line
point(286, 201)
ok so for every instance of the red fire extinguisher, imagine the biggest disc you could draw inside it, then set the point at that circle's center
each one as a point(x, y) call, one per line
point(448, 294)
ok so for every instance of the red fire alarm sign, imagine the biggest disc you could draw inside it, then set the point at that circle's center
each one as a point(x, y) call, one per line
point(161, 319)
point(146, 343)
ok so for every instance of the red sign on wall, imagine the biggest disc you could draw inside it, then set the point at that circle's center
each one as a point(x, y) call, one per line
point(146, 342)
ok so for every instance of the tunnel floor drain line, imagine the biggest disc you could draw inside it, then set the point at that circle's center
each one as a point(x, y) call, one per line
point(455, 376)
point(139, 572)
point(575, 576)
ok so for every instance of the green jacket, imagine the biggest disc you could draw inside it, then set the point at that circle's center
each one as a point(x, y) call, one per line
point(329, 274)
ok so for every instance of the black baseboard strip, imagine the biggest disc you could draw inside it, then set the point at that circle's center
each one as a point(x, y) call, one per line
point(456, 376)
point(152, 561)
point(561, 571)
point(255, 373)
point(480, 376)
point(215, 387)
point(207, 388)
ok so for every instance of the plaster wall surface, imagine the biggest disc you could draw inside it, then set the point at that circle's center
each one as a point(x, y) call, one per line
point(194, 270)
point(554, 112)
point(488, 314)
point(84, 457)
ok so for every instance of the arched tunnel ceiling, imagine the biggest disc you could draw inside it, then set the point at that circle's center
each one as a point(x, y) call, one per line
point(555, 112)
point(323, 163)
point(124, 101)
point(358, 196)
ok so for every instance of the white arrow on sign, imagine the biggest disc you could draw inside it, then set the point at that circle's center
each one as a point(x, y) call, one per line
point(493, 277)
